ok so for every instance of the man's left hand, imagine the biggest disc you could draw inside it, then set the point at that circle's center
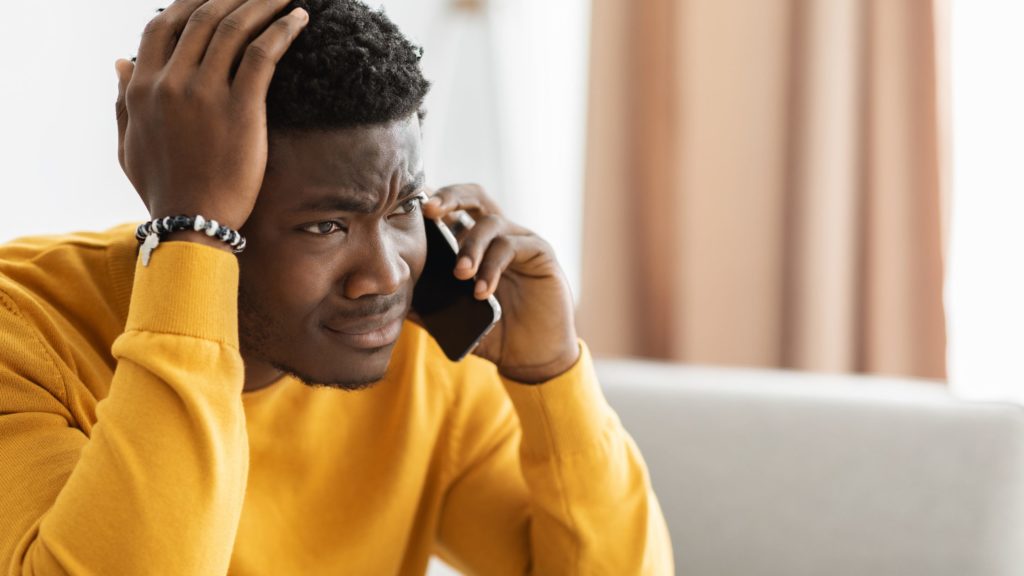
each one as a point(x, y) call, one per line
point(536, 337)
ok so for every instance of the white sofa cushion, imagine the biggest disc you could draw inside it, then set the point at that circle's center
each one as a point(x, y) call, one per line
point(770, 473)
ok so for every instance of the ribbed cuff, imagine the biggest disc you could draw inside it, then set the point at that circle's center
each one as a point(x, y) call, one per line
point(563, 416)
point(188, 289)
point(121, 258)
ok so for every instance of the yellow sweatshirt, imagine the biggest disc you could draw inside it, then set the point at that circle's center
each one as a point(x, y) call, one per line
point(128, 447)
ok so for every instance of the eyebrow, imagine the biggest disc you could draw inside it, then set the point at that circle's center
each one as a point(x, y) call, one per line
point(359, 205)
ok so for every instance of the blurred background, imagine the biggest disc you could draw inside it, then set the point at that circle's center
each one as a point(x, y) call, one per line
point(821, 185)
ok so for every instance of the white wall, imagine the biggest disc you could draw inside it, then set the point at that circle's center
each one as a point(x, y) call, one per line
point(507, 111)
point(985, 288)
point(58, 144)
point(508, 107)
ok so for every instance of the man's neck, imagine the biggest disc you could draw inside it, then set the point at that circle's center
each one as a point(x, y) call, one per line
point(259, 374)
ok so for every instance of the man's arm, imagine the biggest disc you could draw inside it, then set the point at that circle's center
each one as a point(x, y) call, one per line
point(565, 491)
point(549, 483)
point(157, 486)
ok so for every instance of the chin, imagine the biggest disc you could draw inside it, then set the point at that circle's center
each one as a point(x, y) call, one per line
point(348, 370)
point(347, 381)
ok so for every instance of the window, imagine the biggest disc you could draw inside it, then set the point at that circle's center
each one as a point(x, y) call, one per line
point(985, 282)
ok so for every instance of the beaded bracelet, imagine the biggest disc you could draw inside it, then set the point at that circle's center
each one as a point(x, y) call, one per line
point(149, 234)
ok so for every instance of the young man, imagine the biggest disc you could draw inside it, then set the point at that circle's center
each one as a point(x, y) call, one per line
point(177, 409)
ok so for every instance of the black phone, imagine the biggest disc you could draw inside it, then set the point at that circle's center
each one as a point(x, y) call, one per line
point(445, 304)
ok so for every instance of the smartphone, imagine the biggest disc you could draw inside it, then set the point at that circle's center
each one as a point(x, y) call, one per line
point(446, 305)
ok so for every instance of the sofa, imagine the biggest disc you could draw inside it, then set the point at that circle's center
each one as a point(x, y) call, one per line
point(775, 473)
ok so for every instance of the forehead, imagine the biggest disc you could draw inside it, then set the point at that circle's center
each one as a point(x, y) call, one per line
point(364, 157)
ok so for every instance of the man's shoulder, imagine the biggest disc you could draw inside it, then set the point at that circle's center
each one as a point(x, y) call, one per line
point(28, 247)
point(69, 285)
point(46, 267)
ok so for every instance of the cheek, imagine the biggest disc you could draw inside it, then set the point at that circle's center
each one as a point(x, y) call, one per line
point(291, 282)
point(414, 252)
point(306, 280)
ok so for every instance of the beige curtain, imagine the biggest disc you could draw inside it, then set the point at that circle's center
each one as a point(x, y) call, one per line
point(765, 185)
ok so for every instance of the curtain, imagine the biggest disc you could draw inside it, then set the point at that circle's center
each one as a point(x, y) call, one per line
point(765, 184)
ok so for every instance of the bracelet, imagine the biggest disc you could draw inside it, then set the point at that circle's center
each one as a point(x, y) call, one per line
point(149, 234)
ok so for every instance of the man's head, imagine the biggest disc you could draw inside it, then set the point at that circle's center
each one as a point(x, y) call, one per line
point(336, 242)
point(350, 67)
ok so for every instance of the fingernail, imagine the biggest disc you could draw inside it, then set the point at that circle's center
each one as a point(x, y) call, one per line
point(434, 201)
point(481, 287)
point(464, 263)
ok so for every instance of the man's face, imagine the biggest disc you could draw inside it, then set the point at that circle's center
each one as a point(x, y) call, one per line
point(335, 246)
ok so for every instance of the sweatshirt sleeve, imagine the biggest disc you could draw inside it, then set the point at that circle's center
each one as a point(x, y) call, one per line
point(156, 486)
point(551, 483)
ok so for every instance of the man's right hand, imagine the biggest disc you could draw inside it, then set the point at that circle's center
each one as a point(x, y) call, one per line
point(192, 131)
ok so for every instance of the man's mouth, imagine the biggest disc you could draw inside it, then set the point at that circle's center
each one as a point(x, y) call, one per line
point(367, 333)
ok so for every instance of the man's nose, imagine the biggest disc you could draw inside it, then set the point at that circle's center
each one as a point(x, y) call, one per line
point(380, 270)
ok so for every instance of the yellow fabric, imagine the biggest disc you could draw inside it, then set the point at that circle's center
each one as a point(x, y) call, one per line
point(128, 447)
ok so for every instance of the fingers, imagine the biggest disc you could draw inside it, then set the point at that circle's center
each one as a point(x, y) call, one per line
point(215, 34)
point(500, 255)
point(530, 255)
point(262, 55)
point(201, 26)
point(488, 248)
point(229, 38)
point(494, 244)
point(468, 197)
point(473, 245)
point(124, 69)
point(161, 35)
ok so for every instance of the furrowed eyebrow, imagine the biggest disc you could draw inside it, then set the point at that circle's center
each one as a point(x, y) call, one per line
point(411, 188)
point(336, 204)
point(355, 204)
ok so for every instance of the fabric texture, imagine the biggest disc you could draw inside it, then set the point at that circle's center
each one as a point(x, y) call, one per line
point(766, 184)
point(128, 447)
point(825, 474)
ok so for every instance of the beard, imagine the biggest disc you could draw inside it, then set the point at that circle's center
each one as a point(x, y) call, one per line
point(348, 385)
point(262, 337)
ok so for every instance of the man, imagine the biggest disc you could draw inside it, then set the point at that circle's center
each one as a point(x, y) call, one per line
point(176, 409)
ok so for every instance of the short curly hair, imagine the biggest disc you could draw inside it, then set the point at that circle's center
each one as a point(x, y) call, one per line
point(351, 66)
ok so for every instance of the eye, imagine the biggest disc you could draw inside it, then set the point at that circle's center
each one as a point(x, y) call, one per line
point(411, 206)
point(325, 228)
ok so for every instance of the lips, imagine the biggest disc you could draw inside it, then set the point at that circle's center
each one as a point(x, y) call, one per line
point(368, 332)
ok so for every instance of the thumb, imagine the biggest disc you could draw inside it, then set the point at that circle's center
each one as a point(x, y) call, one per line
point(124, 69)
